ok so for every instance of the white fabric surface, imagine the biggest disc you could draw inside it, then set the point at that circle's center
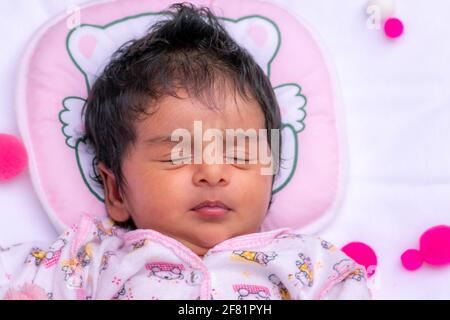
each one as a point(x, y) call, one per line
point(397, 110)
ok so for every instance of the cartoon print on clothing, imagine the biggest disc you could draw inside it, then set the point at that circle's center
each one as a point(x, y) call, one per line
point(73, 268)
point(72, 273)
point(284, 293)
point(276, 269)
point(104, 232)
point(305, 275)
point(54, 253)
point(195, 278)
point(125, 292)
point(3, 249)
point(120, 293)
point(47, 258)
point(139, 244)
point(165, 270)
point(327, 245)
point(85, 254)
point(341, 268)
point(259, 257)
point(289, 236)
point(251, 292)
point(105, 260)
point(358, 274)
point(36, 256)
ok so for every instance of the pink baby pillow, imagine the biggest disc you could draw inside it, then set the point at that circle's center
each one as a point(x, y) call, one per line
point(60, 65)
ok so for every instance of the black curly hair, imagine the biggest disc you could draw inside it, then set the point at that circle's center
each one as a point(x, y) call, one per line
point(188, 48)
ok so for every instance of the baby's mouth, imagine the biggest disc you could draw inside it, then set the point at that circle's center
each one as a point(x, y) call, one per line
point(211, 209)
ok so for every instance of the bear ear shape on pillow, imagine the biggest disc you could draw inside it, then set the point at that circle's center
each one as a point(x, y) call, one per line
point(91, 46)
point(258, 35)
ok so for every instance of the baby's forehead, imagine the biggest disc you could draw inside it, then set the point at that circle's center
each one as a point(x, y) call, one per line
point(171, 113)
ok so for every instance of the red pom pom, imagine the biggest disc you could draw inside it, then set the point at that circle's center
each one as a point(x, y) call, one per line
point(13, 156)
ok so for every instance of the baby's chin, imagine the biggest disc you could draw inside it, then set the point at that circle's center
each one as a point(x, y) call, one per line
point(205, 240)
point(211, 238)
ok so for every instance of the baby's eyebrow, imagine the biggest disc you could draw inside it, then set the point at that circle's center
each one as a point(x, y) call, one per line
point(159, 139)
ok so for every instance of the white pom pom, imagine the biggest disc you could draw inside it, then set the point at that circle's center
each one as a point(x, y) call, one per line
point(386, 7)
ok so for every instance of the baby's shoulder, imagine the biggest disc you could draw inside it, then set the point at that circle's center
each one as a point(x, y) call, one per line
point(291, 242)
point(313, 255)
point(287, 237)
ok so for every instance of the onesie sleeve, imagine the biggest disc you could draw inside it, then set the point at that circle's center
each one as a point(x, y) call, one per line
point(67, 268)
point(13, 263)
point(336, 275)
point(350, 288)
point(28, 270)
point(316, 269)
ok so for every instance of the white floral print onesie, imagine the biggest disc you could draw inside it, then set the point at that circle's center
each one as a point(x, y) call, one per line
point(99, 260)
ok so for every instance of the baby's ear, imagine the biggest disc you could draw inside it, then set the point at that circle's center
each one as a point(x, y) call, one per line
point(114, 201)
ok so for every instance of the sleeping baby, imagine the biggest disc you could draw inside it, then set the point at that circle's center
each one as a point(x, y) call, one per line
point(184, 216)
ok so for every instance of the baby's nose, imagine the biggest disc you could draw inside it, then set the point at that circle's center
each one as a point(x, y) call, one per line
point(211, 174)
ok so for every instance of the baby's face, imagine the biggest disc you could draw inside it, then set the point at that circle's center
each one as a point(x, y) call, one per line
point(163, 196)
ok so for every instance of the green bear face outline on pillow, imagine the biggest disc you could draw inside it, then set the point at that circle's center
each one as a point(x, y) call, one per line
point(90, 46)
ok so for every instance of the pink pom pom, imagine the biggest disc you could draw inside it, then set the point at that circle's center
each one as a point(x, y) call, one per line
point(393, 28)
point(435, 245)
point(434, 249)
point(28, 291)
point(13, 156)
point(363, 255)
point(412, 259)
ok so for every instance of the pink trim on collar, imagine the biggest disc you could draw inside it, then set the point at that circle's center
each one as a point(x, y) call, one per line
point(187, 255)
point(180, 251)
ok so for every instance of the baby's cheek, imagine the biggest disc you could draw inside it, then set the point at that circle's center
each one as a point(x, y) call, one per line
point(164, 189)
point(149, 195)
point(255, 189)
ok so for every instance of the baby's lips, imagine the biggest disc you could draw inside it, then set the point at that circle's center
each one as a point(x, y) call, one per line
point(211, 204)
